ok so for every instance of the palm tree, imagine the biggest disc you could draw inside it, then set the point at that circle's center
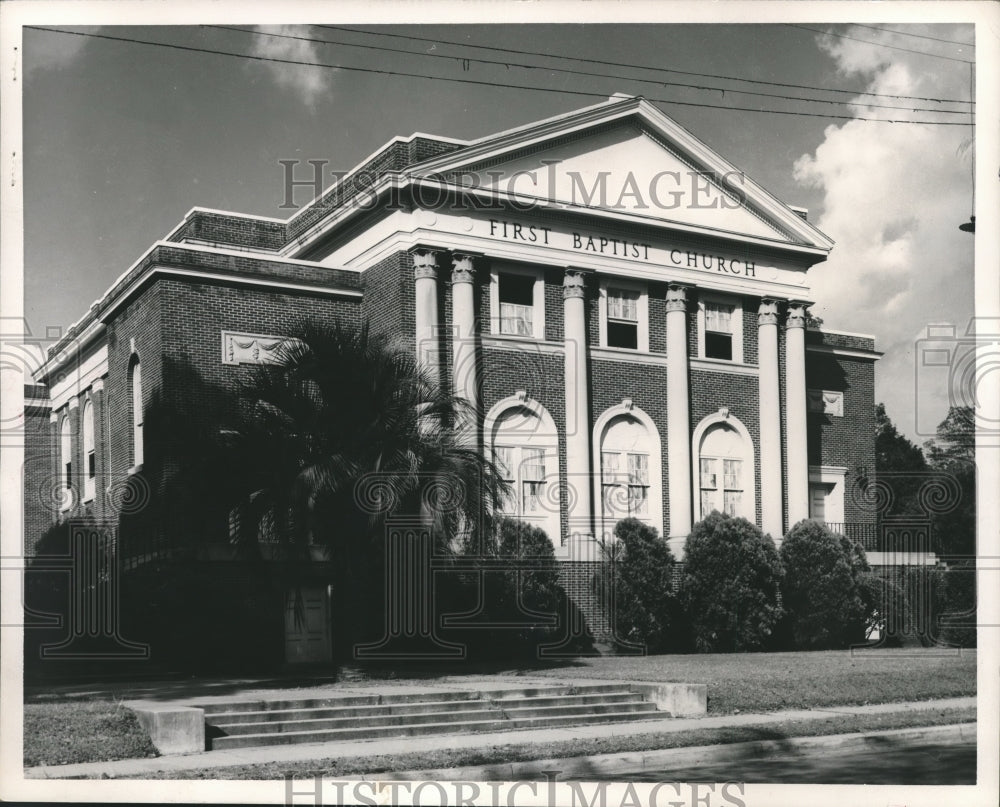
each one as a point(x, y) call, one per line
point(342, 435)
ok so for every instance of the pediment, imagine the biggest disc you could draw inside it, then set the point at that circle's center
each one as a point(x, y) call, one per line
point(638, 164)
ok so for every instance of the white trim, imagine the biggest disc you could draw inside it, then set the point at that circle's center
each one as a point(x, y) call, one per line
point(824, 329)
point(722, 366)
point(523, 344)
point(358, 166)
point(686, 143)
point(871, 355)
point(748, 502)
point(228, 336)
point(628, 355)
point(737, 322)
point(89, 482)
point(93, 368)
point(823, 393)
point(537, 298)
point(829, 475)
point(545, 438)
point(655, 497)
point(642, 312)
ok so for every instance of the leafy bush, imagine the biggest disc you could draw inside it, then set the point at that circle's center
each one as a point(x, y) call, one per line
point(884, 608)
point(942, 603)
point(732, 575)
point(646, 612)
point(820, 589)
point(514, 609)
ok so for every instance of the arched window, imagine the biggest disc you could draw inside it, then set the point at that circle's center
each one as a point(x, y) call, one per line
point(135, 382)
point(89, 459)
point(724, 464)
point(523, 441)
point(627, 448)
point(66, 462)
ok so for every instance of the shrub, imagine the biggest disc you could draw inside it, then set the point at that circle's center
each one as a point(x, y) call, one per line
point(646, 612)
point(820, 589)
point(513, 609)
point(884, 608)
point(942, 603)
point(732, 575)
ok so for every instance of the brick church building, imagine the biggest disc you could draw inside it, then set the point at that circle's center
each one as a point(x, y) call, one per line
point(626, 312)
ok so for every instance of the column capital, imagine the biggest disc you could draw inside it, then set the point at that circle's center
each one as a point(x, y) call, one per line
point(677, 297)
point(97, 385)
point(463, 267)
point(767, 314)
point(573, 285)
point(796, 314)
point(425, 262)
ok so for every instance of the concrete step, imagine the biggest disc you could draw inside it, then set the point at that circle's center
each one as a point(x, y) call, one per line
point(579, 711)
point(217, 707)
point(374, 721)
point(622, 696)
point(582, 720)
point(329, 735)
point(367, 711)
point(237, 724)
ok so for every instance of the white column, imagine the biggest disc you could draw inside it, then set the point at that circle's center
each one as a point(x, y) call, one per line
point(463, 318)
point(795, 413)
point(769, 406)
point(426, 313)
point(678, 413)
point(578, 469)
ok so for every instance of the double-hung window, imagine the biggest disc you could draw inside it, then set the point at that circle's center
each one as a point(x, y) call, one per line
point(624, 315)
point(623, 318)
point(625, 484)
point(721, 491)
point(524, 469)
point(517, 313)
point(718, 331)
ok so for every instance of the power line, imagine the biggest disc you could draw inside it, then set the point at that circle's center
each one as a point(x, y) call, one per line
point(918, 36)
point(658, 82)
point(878, 44)
point(194, 49)
point(637, 66)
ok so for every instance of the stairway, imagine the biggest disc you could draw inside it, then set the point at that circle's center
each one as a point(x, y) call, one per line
point(368, 717)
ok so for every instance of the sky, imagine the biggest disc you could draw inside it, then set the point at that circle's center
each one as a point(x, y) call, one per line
point(122, 139)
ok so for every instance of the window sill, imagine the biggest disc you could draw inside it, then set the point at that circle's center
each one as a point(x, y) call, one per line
point(135, 469)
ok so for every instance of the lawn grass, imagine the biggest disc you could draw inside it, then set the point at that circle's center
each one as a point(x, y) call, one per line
point(769, 682)
point(94, 731)
point(526, 752)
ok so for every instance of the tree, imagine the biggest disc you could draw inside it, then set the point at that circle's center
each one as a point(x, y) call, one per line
point(899, 464)
point(952, 452)
point(344, 433)
point(732, 574)
point(645, 609)
point(822, 590)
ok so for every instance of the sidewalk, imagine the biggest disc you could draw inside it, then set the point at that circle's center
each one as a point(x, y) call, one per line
point(403, 745)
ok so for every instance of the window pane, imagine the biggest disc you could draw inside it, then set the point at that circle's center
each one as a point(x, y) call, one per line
point(613, 500)
point(533, 464)
point(502, 457)
point(707, 502)
point(610, 467)
point(732, 470)
point(623, 334)
point(638, 496)
point(731, 500)
point(718, 317)
point(69, 474)
point(718, 346)
point(531, 496)
point(708, 473)
point(623, 304)
point(516, 319)
point(517, 289)
point(91, 465)
point(638, 469)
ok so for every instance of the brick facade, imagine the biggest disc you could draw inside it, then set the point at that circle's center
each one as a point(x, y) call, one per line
point(224, 272)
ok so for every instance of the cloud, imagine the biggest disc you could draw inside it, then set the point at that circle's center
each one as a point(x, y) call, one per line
point(308, 82)
point(894, 195)
point(44, 50)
